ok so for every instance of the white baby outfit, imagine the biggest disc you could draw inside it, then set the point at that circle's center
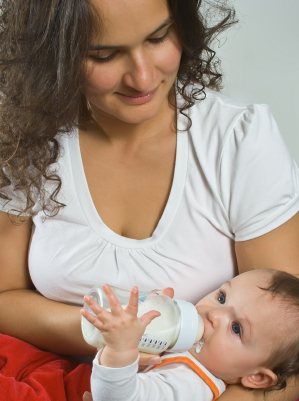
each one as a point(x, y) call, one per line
point(180, 377)
point(234, 180)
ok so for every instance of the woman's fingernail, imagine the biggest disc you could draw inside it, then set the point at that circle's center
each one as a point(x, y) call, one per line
point(86, 298)
point(87, 396)
point(155, 360)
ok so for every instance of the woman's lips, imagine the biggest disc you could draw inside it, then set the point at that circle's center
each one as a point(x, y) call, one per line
point(138, 99)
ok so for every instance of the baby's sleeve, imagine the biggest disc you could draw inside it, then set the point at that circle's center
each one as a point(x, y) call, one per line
point(175, 382)
point(258, 179)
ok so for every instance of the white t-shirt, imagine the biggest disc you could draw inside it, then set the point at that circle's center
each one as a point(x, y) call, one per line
point(234, 180)
point(182, 378)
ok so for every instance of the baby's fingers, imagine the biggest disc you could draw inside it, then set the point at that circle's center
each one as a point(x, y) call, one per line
point(94, 306)
point(132, 307)
point(97, 309)
point(149, 316)
point(94, 320)
point(115, 306)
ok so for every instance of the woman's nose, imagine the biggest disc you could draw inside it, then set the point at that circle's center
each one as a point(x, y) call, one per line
point(141, 73)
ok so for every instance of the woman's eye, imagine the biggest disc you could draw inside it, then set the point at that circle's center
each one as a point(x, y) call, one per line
point(159, 40)
point(103, 59)
point(236, 328)
point(98, 59)
point(221, 298)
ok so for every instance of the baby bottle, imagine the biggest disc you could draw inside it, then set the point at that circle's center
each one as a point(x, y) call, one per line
point(177, 329)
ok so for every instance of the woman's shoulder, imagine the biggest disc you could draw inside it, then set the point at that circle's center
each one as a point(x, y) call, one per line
point(222, 100)
point(220, 117)
point(225, 108)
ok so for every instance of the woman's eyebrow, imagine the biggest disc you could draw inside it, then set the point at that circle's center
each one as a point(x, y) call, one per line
point(167, 22)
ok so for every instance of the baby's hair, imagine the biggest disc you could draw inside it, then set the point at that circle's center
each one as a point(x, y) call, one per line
point(284, 362)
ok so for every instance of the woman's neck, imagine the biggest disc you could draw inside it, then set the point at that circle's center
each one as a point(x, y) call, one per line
point(114, 131)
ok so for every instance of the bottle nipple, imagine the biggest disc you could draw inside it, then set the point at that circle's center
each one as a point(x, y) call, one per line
point(201, 328)
point(199, 342)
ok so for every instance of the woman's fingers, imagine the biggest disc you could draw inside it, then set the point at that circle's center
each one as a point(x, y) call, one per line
point(87, 396)
point(168, 291)
point(148, 359)
point(149, 316)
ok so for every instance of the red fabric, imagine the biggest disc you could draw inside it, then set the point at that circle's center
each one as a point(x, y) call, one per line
point(29, 374)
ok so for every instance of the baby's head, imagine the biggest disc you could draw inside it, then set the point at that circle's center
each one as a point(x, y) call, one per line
point(251, 329)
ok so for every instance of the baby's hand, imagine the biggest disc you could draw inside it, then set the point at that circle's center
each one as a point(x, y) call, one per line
point(121, 328)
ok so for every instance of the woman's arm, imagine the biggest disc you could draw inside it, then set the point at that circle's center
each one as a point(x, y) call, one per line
point(24, 313)
point(278, 249)
point(29, 316)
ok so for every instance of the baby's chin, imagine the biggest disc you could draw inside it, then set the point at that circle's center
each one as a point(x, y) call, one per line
point(197, 355)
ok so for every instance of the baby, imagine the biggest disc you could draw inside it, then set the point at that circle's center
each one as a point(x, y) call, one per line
point(250, 337)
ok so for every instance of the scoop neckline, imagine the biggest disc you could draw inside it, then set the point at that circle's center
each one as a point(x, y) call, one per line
point(172, 205)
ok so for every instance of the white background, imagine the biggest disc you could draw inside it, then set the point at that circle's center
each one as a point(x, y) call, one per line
point(260, 61)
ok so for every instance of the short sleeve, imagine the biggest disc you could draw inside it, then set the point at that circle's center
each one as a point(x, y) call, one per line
point(259, 180)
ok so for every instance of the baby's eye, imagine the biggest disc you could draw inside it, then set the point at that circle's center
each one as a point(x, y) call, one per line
point(221, 298)
point(236, 328)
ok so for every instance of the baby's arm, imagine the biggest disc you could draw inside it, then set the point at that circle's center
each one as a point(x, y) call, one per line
point(115, 375)
point(175, 382)
point(121, 328)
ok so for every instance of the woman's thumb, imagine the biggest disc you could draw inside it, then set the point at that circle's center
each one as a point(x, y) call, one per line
point(87, 396)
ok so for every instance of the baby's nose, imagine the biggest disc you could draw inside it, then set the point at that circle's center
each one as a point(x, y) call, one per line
point(218, 315)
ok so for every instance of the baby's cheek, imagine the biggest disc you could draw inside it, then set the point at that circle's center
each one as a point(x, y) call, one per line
point(216, 358)
point(210, 361)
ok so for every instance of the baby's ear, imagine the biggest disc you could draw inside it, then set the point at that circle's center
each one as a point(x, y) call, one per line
point(263, 379)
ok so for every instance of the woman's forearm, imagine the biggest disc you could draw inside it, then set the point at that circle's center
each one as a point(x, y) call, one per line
point(238, 392)
point(49, 325)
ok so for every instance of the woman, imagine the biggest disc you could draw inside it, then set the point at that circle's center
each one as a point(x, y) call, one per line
point(180, 205)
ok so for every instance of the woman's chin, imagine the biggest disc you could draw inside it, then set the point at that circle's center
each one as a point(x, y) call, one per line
point(137, 115)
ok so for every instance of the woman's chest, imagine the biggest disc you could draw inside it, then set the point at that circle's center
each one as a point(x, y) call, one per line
point(191, 249)
point(130, 188)
point(67, 259)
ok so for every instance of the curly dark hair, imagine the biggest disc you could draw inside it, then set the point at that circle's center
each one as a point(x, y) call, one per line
point(43, 49)
point(284, 361)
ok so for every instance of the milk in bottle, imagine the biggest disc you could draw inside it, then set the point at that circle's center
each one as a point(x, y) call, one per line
point(177, 329)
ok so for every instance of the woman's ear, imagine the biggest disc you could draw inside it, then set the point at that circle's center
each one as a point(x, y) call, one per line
point(264, 378)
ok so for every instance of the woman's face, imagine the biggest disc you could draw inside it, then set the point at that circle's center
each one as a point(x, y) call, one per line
point(133, 63)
